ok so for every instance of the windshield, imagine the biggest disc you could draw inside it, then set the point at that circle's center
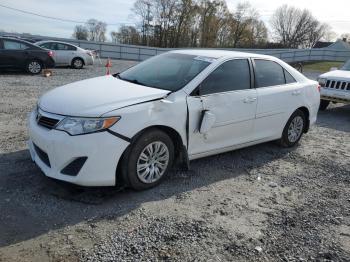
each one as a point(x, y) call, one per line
point(346, 66)
point(168, 71)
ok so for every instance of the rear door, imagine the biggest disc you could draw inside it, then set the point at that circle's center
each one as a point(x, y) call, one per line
point(227, 94)
point(278, 96)
point(65, 53)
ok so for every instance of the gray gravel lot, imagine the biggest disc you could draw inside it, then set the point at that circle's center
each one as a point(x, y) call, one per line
point(262, 203)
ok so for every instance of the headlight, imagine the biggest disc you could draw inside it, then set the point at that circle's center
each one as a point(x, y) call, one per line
point(322, 81)
point(79, 126)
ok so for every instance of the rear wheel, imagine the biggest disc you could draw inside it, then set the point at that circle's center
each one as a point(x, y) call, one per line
point(294, 129)
point(148, 160)
point(34, 67)
point(77, 63)
point(324, 104)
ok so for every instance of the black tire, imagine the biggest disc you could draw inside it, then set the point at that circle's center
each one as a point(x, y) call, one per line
point(324, 104)
point(77, 63)
point(286, 140)
point(34, 67)
point(131, 157)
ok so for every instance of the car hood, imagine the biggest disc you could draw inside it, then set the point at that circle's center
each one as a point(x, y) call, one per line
point(337, 75)
point(96, 96)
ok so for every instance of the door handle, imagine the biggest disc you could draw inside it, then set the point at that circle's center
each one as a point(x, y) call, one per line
point(296, 92)
point(249, 100)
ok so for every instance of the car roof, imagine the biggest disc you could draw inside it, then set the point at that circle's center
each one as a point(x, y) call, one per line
point(16, 39)
point(219, 53)
point(53, 41)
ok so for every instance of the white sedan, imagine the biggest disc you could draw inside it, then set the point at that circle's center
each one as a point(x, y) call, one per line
point(134, 126)
point(66, 54)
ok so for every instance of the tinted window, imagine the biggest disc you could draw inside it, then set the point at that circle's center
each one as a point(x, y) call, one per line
point(63, 47)
point(170, 71)
point(46, 45)
point(268, 73)
point(13, 45)
point(230, 76)
point(289, 78)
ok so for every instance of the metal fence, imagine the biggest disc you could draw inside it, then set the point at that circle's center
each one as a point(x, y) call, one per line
point(139, 53)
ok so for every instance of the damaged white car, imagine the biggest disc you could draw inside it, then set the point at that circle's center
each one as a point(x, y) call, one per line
point(132, 127)
point(335, 86)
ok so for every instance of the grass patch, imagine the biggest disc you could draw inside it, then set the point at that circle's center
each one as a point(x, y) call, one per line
point(322, 66)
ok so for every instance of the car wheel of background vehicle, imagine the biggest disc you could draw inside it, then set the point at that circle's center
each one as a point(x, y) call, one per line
point(324, 104)
point(34, 67)
point(293, 130)
point(77, 63)
point(148, 160)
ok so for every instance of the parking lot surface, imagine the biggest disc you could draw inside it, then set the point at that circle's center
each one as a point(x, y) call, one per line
point(260, 203)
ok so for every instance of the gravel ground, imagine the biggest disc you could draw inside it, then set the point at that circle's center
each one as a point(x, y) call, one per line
point(262, 203)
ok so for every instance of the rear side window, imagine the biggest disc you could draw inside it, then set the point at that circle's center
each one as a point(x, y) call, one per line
point(268, 73)
point(289, 78)
point(230, 76)
point(13, 45)
point(46, 45)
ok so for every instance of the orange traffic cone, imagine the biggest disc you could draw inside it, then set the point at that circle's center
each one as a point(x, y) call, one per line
point(108, 65)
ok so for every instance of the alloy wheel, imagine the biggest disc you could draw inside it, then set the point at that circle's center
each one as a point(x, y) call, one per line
point(152, 162)
point(295, 129)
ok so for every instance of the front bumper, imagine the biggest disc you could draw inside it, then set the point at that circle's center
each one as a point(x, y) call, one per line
point(342, 96)
point(103, 151)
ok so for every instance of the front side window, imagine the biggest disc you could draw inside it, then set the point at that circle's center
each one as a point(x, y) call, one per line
point(13, 45)
point(170, 71)
point(230, 76)
point(268, 73)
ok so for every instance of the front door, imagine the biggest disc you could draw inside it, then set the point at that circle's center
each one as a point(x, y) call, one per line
point(227, 94)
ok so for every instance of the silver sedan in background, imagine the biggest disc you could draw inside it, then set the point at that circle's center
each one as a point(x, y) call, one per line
point(66, 54)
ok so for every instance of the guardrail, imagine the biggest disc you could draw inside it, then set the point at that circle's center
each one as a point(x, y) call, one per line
point(139, 53)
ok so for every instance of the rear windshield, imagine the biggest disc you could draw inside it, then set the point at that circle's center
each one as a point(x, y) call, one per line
point(168, 71)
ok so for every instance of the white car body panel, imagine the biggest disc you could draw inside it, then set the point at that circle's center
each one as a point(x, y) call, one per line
point(96, 96)
point(242, 118)
point(337, 87)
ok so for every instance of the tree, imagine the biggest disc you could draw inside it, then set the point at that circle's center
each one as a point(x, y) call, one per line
point(96, 30)
point(196, 23)
point(295, 28)
point(80, 32)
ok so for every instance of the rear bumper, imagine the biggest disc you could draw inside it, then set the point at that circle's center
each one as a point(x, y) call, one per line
point(102, 152)
point(49, 63)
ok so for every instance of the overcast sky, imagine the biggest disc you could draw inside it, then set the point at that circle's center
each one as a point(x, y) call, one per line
point(335, 12)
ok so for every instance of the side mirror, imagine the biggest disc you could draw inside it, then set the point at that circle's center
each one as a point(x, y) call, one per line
point(334, 68)
point(208, 120)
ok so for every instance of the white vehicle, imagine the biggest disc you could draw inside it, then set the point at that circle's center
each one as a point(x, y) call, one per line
point(67, 54)
point(335, 86)
point(132, 127)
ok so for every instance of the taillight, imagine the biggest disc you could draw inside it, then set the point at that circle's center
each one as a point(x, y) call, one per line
point(50, 53)
point(319, 88)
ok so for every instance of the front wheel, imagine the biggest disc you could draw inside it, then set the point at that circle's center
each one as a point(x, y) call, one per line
point(294, 129)
point(34, 67)
point(324, 104)
point(148, 160)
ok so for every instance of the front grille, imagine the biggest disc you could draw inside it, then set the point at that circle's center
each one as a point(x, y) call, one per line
point(338, 85)
point(42, 155)
point(47, 121)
